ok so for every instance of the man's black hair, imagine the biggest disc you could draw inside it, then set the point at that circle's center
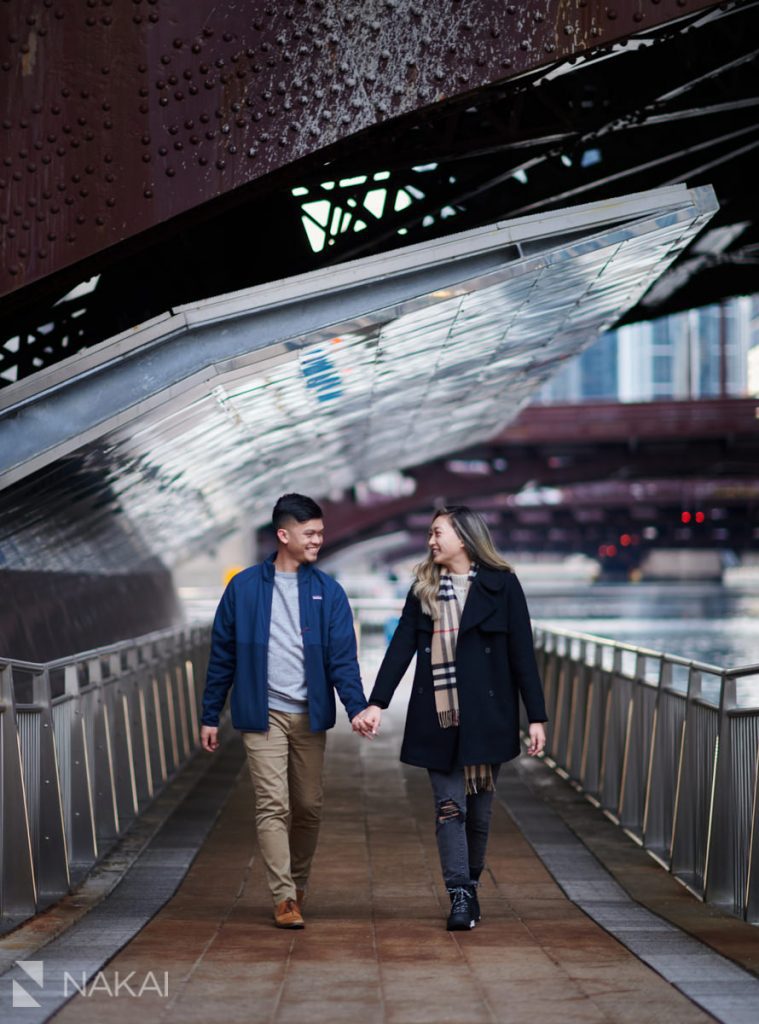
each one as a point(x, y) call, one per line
point(294, 506)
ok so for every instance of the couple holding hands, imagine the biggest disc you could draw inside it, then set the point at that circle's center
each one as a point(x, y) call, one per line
point(283, 641)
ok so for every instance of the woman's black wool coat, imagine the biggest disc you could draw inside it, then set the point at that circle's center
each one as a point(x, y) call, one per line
point(495, 663)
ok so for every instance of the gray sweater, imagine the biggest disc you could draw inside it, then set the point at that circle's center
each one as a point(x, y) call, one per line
point(286, 666)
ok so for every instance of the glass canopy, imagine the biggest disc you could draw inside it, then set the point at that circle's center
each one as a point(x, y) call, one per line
point(327, 380)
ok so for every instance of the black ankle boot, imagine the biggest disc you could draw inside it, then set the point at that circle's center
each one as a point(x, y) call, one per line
point(475, 902)
point(461, 917)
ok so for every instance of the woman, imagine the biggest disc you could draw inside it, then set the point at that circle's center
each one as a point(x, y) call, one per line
point(466, 620)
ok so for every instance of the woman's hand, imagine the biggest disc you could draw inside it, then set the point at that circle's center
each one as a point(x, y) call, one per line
point(537, 739)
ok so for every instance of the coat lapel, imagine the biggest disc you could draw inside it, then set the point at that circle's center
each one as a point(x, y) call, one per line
point(483, 598)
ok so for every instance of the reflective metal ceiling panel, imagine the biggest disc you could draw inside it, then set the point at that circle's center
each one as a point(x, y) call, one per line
point(392, 386)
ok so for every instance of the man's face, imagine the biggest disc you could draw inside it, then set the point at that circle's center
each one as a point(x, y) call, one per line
point(302, 540)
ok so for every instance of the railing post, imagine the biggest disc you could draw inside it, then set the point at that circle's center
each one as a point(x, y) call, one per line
point(51, 854)
point(75, 771)
point(721, 869)
point(18, 892)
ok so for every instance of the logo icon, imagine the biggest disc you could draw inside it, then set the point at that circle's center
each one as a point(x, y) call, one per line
point(35, 970)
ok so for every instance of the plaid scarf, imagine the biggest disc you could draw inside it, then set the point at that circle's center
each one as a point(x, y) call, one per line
point(479, 777)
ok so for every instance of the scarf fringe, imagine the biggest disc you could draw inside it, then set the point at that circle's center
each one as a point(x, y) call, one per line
point(479, 779)
point(448, 718)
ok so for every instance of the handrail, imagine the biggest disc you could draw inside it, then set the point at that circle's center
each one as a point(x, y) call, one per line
point(87, 742)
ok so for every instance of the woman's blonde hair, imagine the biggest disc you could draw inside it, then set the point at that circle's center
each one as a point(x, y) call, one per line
point(473, 532)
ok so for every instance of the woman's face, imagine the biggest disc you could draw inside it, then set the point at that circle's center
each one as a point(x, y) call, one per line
point(444, 543)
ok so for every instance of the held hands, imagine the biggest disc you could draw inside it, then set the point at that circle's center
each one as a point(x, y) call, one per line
point(367, 723)
point(537, 739)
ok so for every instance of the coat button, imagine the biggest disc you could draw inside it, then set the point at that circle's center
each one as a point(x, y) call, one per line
point(426, 650)
point(487, 650)
point(491, 693)
point(420, 689)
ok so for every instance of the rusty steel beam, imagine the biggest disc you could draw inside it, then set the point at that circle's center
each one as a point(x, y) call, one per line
point(565, 446)
point(606, 422)
point(118, 117)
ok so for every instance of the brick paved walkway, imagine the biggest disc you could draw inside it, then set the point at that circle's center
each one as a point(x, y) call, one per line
point(375, 947)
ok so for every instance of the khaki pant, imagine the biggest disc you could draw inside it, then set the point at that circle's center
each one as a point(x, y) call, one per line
point(285, 766)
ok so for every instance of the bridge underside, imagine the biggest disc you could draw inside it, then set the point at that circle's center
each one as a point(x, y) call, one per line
point(207, 152)
point(418, 174)
point(159, 443)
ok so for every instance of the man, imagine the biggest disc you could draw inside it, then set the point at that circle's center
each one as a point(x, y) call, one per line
point(283, 639)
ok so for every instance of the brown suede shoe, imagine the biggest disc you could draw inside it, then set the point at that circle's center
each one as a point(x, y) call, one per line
point(287, 915)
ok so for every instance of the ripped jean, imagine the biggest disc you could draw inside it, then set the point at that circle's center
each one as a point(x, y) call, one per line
point(462, 825)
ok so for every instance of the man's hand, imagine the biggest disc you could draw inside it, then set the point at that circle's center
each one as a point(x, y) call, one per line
point(209, 737)
point(537, 739)
point(367, 723)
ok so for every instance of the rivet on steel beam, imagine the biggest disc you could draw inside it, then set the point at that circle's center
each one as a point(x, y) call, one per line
point(170, 172)
point(148, 193)
point(162, 151)
point(100, 221)
point(153, 17)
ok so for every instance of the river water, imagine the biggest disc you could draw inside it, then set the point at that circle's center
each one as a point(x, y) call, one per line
point(703, 621)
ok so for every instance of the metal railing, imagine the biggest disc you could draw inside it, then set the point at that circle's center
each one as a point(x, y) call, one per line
point(86, 743)
point(667, 749)
point(661, 743)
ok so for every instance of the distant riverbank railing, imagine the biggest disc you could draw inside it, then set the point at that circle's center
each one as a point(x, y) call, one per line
point(666, 746)
point(86, 743)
